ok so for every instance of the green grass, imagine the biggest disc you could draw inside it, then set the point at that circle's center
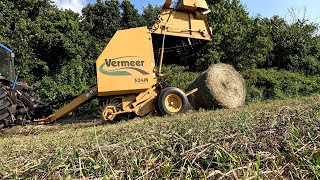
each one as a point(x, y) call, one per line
point(273, 140)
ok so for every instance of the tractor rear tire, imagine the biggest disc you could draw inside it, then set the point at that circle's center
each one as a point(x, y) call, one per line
point(5, 103)
point(172, 100)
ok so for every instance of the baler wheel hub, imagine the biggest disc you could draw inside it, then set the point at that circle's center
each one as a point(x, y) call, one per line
point(173, 103)
point(109, 109)
point(109, 113)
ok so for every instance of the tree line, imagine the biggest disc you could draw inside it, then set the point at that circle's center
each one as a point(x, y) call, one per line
point(56, 49)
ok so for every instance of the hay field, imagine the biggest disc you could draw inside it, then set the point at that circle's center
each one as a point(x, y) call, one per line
point(273, 140)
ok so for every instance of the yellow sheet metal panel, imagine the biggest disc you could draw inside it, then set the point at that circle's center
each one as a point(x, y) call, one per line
point(193, 5)
point(182, 24)
point(205, 30)
point(126, 65)
point(179, 20)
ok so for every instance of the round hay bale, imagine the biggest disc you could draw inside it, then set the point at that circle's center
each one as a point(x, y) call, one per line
point(220, 85)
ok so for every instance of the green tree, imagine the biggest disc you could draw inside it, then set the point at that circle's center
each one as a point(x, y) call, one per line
point(296, 46)
point(149, 14)
point(231, 25)
point(49, 45)
point(102, 19)
point(130, 18)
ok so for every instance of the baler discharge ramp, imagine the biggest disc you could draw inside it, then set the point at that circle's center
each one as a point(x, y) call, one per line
point(73, 105)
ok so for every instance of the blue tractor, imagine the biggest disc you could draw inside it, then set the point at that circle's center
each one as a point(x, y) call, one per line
point(18, 103)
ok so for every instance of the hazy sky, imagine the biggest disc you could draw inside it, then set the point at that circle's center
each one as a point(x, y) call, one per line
point(266, 8)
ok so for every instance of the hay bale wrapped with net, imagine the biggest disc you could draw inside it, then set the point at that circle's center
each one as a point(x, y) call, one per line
point(220, 86)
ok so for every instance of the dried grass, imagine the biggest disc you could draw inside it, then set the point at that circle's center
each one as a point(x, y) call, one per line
point(275, 140)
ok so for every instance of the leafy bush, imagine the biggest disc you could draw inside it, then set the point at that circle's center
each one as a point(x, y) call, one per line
point(262, 84)
point(177, 76)
point(272, 84)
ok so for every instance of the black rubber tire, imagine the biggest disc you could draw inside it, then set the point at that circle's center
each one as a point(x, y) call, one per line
point(160, 104)
point(5, 103)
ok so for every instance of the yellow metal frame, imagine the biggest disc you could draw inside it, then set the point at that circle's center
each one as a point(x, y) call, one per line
point(188, 19)
point(190, 5)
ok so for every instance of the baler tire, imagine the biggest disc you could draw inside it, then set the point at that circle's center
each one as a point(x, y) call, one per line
point(171, 101)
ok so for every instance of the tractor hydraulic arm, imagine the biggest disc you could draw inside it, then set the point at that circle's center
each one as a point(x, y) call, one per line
point(83, 98)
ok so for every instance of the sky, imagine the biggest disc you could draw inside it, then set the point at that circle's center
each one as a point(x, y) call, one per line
point(266, 8)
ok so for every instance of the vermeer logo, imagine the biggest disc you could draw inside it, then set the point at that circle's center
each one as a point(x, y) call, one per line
point(124, 66)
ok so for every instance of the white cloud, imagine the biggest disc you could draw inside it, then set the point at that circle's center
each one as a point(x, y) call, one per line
point(75, 5)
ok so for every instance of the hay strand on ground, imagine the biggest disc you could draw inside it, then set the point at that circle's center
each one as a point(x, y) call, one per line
point(220, 85)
